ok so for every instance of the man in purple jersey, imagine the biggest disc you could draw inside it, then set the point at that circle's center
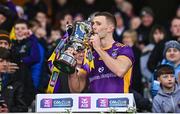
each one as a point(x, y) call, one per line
point(113, 61)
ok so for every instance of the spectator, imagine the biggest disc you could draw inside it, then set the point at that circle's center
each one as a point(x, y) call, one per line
point(147, 17)
point(157, 38)
point(130, 39)
point(32, 6)
point(135, 23)
point(167, 99)
point(120, 28)
point(178, 12)
point(25, 48)
point(7, 18)
point(172, 57)
point(12, 97)
point(175, 28)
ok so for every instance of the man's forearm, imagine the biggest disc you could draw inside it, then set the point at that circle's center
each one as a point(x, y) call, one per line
point(114, 65)
point(76, 83)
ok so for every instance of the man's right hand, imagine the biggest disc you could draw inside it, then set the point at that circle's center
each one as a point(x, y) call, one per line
point(11, 67)
point(70, 51)
point(8, 67)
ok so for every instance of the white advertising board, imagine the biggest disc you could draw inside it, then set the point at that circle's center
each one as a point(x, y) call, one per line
point(84, 102)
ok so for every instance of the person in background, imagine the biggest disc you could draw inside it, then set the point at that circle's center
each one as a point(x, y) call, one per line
point(130, 39)
point(135, 23)
point(168, 96)
point(158, 38)
point(26, 53)
point(172, 56)
point(147, 17)
point(120, 28)
point(12, 98)
point(175, 28)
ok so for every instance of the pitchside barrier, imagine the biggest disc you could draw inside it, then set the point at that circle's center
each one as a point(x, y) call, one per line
point(85, 103)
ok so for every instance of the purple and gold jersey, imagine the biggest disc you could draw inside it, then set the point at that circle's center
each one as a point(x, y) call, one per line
point(103, 80)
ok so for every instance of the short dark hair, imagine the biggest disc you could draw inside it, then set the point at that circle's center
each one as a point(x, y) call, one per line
point(108, 16)
point(164, 69)
point(21, 21)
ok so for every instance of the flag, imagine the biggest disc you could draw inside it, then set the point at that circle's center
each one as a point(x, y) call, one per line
point(12, 34)
point(88, 63)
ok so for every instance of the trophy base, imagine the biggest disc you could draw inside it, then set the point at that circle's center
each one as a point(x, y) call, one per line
point(65, 64)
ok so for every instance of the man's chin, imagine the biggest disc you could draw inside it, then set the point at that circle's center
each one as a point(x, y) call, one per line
point(20, 38)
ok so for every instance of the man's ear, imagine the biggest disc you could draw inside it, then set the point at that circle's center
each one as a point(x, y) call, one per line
point(111, 28)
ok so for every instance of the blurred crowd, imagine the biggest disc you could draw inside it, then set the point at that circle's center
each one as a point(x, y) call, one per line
point(37, 33)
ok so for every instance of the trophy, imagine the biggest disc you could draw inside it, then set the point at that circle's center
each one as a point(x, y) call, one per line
point(77, 40)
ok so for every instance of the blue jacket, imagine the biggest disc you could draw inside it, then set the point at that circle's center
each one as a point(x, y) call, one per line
point(177, 69)
point(37, 68)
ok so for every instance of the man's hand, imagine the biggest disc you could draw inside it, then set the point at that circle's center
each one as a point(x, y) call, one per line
point(70, 51)
point(8, 67)
point(95, 41)
point(2, 67)
point(78, 55)
point(11, 67)
point(4, 108)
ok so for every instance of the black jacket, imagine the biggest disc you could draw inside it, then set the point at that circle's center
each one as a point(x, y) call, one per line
point(13, 95)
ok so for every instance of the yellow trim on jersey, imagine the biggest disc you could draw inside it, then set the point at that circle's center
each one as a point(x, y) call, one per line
point(127, 80)
point(82, 71)
point(127, 76)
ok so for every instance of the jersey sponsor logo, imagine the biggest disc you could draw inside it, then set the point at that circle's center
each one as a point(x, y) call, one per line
point(100, 69)
point(114, 53)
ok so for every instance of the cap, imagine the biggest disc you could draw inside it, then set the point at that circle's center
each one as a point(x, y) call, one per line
point(4, 35)
point(171, 44)
point(147, 11)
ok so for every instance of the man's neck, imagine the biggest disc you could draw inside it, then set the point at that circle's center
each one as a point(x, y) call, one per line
point(107, 41)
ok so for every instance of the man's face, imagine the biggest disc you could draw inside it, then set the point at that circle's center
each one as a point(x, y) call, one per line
point(173, 55)
point(4, 44)
point(147, 20)
point(41, 17)
point(167, 80)
point(2, 19)
point(119, 20)
point(79, 57)
point(175, 27)
point(100, 26)
point(127, 39)
point(21, 31)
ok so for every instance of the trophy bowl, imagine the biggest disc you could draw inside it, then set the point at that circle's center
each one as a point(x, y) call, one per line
point(66, 63)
